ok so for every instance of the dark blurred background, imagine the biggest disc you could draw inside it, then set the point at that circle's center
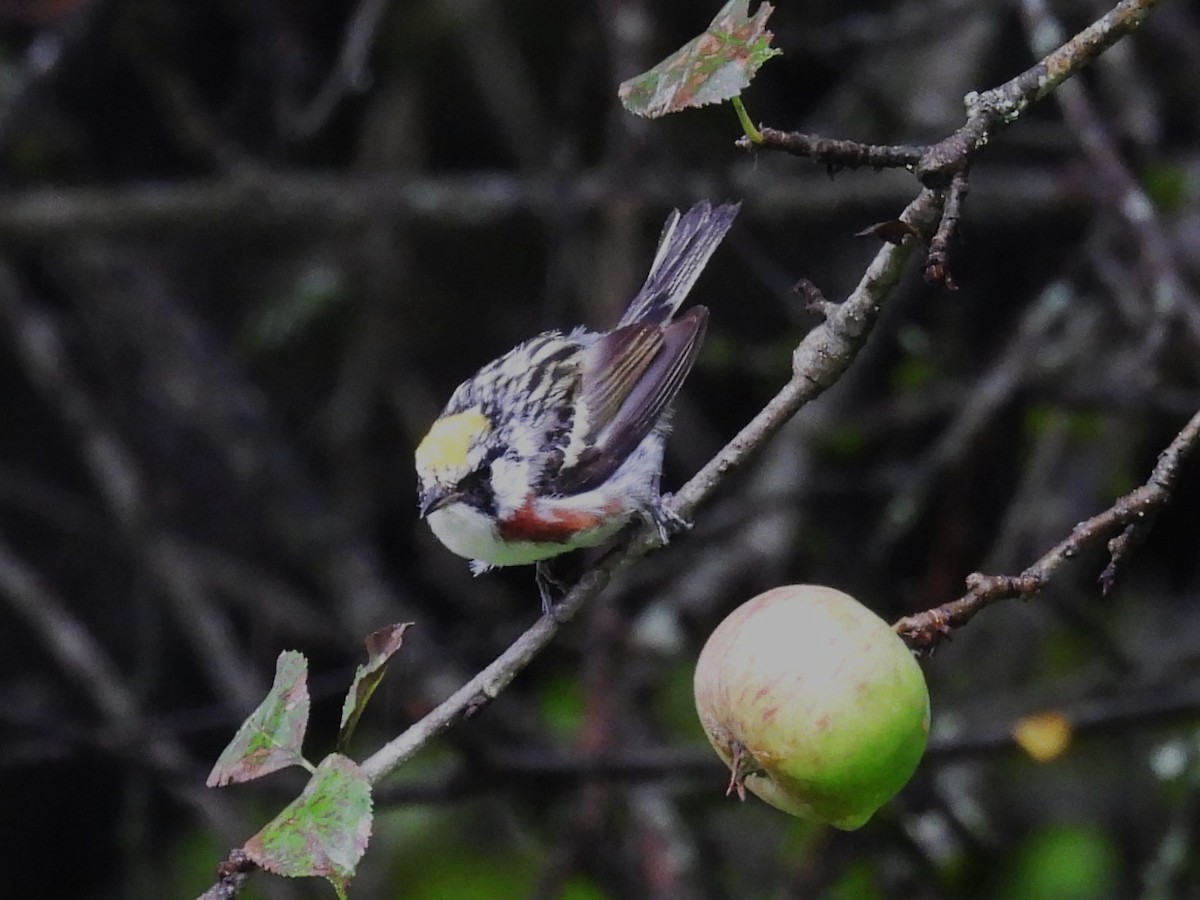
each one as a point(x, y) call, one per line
point(248, 248)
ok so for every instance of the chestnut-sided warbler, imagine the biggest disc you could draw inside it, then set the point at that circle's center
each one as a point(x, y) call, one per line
point(559, 443)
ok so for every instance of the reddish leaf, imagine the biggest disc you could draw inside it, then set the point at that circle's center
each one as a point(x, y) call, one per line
point(380, 647)
point(711, 68)
point(271, 737)
point(323, 832)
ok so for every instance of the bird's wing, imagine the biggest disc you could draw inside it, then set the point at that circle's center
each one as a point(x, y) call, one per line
point(629, 377)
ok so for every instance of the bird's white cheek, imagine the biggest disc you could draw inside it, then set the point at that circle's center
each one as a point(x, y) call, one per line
point(464, 530)
point(469, 533)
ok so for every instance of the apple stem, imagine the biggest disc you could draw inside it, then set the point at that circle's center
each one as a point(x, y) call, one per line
point(742, 766)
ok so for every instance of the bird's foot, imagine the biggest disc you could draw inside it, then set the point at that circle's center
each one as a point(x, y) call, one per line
point(668, 522)
point(551, 586)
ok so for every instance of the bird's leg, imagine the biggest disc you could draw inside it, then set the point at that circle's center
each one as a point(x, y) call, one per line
point(549, 584)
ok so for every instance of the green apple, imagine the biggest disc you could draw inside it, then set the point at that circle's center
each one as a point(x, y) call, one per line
point(814, 702)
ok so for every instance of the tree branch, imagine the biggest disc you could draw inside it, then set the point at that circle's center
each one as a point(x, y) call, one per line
point(990, 112)
point(987, 113)
point(821, 358)
point(925, 630)
point(945, 164)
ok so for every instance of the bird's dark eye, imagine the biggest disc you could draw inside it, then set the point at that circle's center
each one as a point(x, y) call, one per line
point(482, 475)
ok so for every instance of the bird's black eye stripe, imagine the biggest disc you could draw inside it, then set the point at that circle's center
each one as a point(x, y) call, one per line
point(476, 486)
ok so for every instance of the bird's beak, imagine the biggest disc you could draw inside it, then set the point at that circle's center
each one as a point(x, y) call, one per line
point(435, 498)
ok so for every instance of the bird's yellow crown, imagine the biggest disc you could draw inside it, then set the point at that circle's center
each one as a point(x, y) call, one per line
point(446, 449)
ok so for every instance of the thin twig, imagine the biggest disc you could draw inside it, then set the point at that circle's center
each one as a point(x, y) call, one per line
point(991, 111)
point(944, 165)
point(232, 875)
point(925, 630)
point(988, 112)
point(835, 153)
point(937, 261)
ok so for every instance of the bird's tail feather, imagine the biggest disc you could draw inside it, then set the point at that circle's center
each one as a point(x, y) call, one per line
point(687, 242)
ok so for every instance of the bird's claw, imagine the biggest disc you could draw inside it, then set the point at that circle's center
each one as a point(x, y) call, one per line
point(668, 522)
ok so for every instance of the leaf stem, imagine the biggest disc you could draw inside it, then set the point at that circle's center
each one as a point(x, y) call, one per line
point(752, 133)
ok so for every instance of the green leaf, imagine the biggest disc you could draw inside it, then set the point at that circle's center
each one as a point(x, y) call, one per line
point(380, 647)
point(324, 831)
point(271, 737)
point(711, 68)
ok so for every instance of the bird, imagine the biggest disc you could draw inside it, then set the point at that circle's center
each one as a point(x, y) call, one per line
point(557, 445)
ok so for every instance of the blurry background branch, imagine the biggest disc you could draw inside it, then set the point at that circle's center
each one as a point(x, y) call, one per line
point(332, 203)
